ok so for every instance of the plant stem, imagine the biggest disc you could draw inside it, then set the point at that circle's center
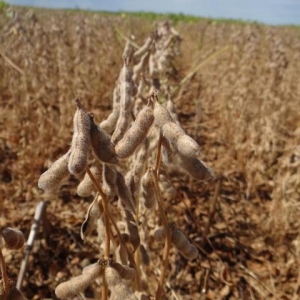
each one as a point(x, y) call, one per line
point(165, 260)
point(158, 157)
point(106, 213)
point(108, 217)
point(104, 289)
point(107, 228)
point(212, 208)
point(3, 273)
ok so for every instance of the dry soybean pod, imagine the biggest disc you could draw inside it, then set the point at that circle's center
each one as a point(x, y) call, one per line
point(148, 189)
point(143, 49)
point(194, 167)
point(128, 51)
point(86, 186)
point(125, 86)
point(179, 239)
point(132, 229)
point(122, 125)
point(138, 106)
point(109, 124)
point(13, 238)
point(160, 235)
point(153, 69)
point(103, 148)
point(76, 285)
point(166, 186)
point(124, 194)
point(171, 108)
point(50, 180)
point(80, 141)
point(191, 252)
point(162, 115)
point(140, 88)
point(138, 68)
point(121, 254)
point(72, 287)
point(109, 177)
point(180, 140)
point(124, 271)
point(183, 245)
point(144, 255)
point(136, 134)
point(117, 287)
point(93, 214)
point(94, 270)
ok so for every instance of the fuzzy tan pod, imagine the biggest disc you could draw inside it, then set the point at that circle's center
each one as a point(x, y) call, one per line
point(153, 68)
point(124, 194)
point(121, 254)
point(94, 270)
point(123, 292)
point(101, 144)
point(144, 48)
point(112, 277)
point(167, 189)
point(122, 125)
point(132, 229)
point(172, 110)
point(183, 245)
point(128, 51)
point(190, 252)
point(109, 177)
point(138, 68)
point(145, 258)
point(160, 235)
point(125, 82)
point(72, 287)
point(109, 124)
point(162, 115)
point(124, 271)
point(148, 189)
point(180, 140)
point(194, 167)
point(86, 186)
point(118, 289)
point(138, 106)
point(13, 238)
point(78, 284)
point(80, 141)
point(93, 214)
point(49, 181)
point(136, 134)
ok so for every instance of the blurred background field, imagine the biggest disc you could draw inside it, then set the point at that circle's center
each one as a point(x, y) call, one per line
point(241, 103)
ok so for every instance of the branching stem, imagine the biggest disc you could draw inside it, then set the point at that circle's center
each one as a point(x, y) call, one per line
point(110, 218)
point(107, 227)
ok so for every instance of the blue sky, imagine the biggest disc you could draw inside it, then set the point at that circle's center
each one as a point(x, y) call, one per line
point(273, 12)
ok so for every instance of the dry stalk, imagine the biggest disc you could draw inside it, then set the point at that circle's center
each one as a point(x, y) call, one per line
point(212, 208)
point(8, 60)
point(3, 273)
point(108, 217)
point(165, 260)
point(107, 228)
